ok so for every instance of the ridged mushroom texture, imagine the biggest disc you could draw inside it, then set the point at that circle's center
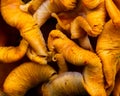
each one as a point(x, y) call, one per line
point(25, 77)
point(25, 23)
point(84, 21)
point(74, 54)
point(46, 7)
point(108, 45)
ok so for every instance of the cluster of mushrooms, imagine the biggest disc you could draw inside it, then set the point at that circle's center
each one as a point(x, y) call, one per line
point(64, 47)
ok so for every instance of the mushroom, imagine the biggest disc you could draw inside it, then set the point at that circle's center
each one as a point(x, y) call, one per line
point(62, 65)
point(26, 76)
point(94, 13)
point(88, 18)
point(108, 45)
point(25, 23)
point(72, 53)
point(65, 84)
point(32, 5)
point(11, 54)
point(31, 54)
point(47, 7)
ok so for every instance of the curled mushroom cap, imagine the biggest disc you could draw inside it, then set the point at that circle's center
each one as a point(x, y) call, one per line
point(66, 84)
point(46, 7)
point(33, 5)
point(74, 54)
point(25, 23)
point(108, 45)
point(12, 54)
point(26, 76)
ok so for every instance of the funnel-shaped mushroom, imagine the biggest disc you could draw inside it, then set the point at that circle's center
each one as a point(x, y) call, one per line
point(88, 18)
point(25, 23)
point(72, 53)
point(108, 45)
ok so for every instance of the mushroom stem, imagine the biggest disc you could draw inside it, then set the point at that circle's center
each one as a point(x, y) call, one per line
point(36, 58)
point(61, 63)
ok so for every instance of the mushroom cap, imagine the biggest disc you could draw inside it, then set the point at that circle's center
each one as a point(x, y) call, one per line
point(66, 84)
point(25, 77)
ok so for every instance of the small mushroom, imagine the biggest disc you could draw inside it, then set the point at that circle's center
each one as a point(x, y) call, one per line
point(26, 76)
